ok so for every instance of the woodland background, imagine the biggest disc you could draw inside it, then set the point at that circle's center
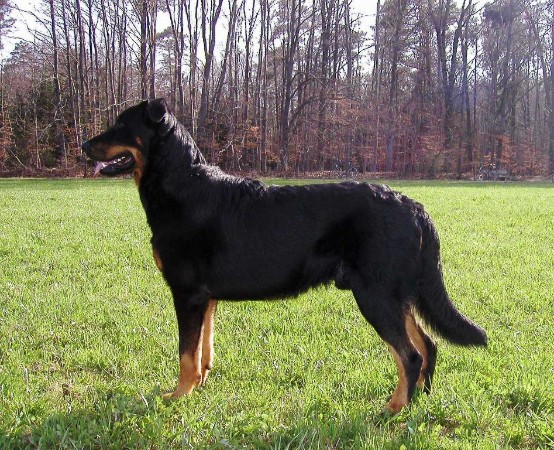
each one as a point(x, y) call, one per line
point(433, 88)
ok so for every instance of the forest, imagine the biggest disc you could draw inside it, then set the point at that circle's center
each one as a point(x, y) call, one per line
point(421, 89)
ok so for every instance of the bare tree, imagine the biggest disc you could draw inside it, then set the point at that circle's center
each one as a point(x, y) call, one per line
point(551, 99)
point(175, 9)
point(293, 19)
point(6, 21)
point(211, 10)
point(441, 14)
point(58, 112)
point(148, 13)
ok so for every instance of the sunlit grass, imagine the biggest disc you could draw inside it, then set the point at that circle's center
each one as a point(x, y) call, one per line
point(88, 339)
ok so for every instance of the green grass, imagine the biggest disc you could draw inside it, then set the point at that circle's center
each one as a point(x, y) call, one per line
point(88, 340)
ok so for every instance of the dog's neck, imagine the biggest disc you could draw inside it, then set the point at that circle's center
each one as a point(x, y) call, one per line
point(174, 151)
point(183, 148)
point(171, 161)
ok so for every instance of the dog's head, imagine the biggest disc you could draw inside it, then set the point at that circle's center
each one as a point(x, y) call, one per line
point(124, 147)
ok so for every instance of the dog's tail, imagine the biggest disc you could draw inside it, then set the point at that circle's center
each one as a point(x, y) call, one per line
point(433, 302)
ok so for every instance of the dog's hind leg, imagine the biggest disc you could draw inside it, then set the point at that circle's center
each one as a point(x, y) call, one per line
point(388, 316)
point(190, 316)
point(428, 350)
point(208, 340)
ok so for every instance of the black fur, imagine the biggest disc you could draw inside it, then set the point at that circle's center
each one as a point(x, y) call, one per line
point(225, 237)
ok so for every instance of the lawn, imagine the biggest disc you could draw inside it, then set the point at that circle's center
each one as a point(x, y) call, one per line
point(88, 340)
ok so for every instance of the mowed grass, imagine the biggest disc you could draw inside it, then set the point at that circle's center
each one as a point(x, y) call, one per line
point(88, 339)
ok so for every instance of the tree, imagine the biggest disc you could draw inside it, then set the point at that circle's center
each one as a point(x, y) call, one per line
point(148, 13)
point(211, 10)
point(442, 15)
point(58, 111)
point(551, 99)
point(176, 12)
point(6, 21)
point(292, 19)
point(503, 61)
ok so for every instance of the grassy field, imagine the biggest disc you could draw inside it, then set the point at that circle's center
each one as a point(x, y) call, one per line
point(88, 340)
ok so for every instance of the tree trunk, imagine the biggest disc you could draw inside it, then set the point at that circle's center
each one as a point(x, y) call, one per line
point(209, 25)
point(143, 63)
point(61, 152)
point(290, 48)
point(326, 12)
point(376, 88)
point(551, 110)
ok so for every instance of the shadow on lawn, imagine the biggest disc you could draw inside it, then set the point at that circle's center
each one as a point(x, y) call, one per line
point(114, 421)
point(129, 421)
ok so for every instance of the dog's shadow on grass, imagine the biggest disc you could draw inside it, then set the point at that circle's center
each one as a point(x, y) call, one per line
point(112, 420)
point(122, 420)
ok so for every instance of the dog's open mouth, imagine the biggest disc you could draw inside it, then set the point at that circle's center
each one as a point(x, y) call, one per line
point(122, 163)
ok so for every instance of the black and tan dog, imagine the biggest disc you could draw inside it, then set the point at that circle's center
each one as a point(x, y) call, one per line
point(216, 236)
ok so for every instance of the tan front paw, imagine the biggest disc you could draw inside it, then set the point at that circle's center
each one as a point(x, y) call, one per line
point(394, 406)
point(182, 389)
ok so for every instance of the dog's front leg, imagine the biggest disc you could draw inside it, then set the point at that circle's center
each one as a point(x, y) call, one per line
point(190, 311)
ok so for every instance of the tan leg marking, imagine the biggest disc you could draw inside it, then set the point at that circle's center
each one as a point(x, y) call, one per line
point(158, 260)
point(189, 371)
point(208, 340)
point(414, 333)
point(400, 397)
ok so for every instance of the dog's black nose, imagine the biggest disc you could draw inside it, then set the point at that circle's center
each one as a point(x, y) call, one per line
point(86, 147)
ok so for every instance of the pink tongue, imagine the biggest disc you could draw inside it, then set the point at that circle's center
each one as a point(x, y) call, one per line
point(99, 166)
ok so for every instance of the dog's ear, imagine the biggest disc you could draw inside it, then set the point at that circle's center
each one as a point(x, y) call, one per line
point(157, 109)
